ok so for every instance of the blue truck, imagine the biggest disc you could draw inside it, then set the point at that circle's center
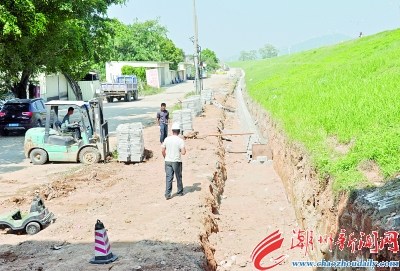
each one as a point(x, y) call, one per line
point(124, 87)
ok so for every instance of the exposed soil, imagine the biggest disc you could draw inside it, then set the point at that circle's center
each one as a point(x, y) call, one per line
point(229, 206)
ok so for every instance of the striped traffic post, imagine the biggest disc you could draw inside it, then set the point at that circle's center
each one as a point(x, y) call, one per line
point(102, 248)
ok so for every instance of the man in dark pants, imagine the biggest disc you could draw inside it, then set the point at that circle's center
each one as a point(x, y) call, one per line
point(73, 127)
point(172, 149)
point(162, 120)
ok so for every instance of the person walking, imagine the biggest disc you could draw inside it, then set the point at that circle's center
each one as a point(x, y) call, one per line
point(162, 120)
point(172, 149)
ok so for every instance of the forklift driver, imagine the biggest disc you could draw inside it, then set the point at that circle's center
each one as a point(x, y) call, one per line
point(74, 127)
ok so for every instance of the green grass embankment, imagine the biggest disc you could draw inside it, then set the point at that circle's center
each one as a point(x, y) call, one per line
point(343, 95)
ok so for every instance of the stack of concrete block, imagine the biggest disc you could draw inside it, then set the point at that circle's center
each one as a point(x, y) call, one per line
point(194, 103)
point(177, 117)
point(130, 145)
point(206, 96)
point(184, 117)
point(187, 121)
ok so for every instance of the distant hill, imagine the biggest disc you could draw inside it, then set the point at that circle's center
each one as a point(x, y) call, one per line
point(315, 43)
point(230, 58)
point(303, 46)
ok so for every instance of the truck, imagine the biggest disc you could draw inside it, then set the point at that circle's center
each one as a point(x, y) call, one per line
point(125, 86)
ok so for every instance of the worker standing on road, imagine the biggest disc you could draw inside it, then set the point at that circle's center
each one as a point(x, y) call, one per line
point(172, 149)
point(162, 120)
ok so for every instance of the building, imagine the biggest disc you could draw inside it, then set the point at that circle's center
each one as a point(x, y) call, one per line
point(186, 70)
point(160, 72)
point(57, 87)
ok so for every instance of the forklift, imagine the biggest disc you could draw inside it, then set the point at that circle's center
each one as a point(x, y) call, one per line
point(57, 142)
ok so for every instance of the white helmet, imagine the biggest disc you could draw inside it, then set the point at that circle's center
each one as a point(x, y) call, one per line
point(176, 126)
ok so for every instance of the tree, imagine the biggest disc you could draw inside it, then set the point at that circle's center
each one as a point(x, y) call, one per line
point(140, 72)
point(210, 58)
point(171, 53)
point(144, 41)
point(51, 36)
point(268, 51)
point(248, 55)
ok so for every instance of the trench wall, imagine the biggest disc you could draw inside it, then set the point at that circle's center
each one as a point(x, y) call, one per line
point(317, 207)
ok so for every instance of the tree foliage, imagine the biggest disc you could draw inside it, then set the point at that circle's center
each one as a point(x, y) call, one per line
point(268, 51)
point(140, 72)
point(144, 41)
point(248, 55)
point(51, 36)
point(208, 56)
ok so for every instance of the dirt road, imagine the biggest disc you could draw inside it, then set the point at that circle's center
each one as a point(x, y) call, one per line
point(229, 206)
point(18, 175)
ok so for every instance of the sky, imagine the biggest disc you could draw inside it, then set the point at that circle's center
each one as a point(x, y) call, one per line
point(228, 27)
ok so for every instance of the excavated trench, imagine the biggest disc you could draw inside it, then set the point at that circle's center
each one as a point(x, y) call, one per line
point(213, 199)
point(319, 209)
point(316, 206)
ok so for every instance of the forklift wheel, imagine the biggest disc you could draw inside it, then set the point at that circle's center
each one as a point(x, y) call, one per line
point(32, 228)
point(89, 156)
point(38, 156)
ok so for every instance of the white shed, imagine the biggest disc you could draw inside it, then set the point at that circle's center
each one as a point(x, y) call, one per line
point(113, 69)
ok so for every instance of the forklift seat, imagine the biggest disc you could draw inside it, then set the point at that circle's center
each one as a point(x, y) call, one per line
point(61, 140)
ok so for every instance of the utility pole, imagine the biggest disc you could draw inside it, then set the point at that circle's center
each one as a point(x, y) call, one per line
point(196, 50)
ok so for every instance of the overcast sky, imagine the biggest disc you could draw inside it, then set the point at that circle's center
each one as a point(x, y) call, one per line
point(229, 26)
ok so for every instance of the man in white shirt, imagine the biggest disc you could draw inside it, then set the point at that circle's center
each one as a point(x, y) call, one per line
point(172, 149)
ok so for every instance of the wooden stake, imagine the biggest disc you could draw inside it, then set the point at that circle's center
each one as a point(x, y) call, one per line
point(231, 134)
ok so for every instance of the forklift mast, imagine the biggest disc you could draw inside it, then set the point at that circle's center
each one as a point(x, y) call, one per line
point(100, 126)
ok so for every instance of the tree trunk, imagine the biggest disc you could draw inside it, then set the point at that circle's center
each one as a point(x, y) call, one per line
point(75, 86)
point(19, 89)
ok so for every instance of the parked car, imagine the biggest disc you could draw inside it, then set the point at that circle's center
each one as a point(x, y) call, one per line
point(21, 115)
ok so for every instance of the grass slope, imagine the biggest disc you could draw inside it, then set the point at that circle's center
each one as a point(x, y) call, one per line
point(345, 94)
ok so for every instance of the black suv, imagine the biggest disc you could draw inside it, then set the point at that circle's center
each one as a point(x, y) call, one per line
point(22, 114)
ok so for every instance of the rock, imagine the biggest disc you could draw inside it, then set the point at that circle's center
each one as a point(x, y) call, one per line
point(227, 265)
point(190, 134)
point(233, 259)
point(241, 261)
point(127, 221)
point(224, 197)
point(163, 263)
point(137, 268)
point(221, 263)
point(188, 217)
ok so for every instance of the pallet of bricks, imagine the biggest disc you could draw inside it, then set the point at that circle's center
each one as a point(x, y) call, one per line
point(193, 103)
point(130, 144)
point(184, 117)
point(206, 96)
